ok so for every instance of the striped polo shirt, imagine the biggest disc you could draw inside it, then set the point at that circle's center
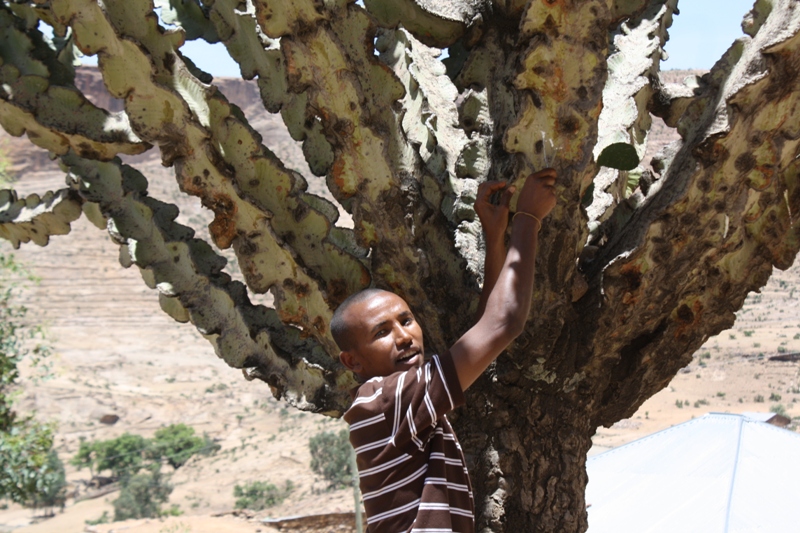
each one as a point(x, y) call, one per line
point(412, 471)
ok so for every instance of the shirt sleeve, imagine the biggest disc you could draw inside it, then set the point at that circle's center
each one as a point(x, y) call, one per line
point(416, 399)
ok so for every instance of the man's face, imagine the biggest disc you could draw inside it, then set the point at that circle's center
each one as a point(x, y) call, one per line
point(384, 337)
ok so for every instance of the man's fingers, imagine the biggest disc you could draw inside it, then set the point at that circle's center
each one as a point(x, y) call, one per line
point(507, 194)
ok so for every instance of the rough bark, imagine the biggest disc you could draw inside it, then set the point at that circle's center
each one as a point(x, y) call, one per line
point(636, 268)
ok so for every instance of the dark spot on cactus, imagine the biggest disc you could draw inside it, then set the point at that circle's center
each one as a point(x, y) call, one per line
point(688, 219)
point(685, 314)
point(745, 162)
point(319, 325)
point(714, 226)
point(353, 106)
point(300, 211)
point(722, 188)
point(710, 152)
point(197, 181)
point(289, 237)
point(538, 147)
point(662, 253)
point(206, 172)
point(536, 100)
point(583, 92)
point(247, 248)
point(337, 291)
point(300, 289)
point(756, 139)
point(253, 182)
point(704, 185)
point(550, 24)
point(719, 206)
point(239, 141)
point(569, 125)
point(176, 259)
point(250, 361)
point(632, 278)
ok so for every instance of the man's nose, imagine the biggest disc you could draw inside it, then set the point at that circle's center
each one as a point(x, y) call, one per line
point(402, 336)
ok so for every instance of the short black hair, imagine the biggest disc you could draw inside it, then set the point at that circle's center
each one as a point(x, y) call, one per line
point(339, 326)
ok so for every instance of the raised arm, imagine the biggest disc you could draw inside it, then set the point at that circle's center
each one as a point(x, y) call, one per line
point(509, 302)
point(494, 219)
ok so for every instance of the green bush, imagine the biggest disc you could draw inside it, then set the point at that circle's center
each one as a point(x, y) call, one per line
point(177, 443)
point(778, 409)
point(124, 456)
point(259, 495)
point(31, 473)
point(141, 496)
point(330, 453)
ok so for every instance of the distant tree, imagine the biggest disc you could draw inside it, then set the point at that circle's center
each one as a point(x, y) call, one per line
point(123, 456)
point(142, 496)
point(259, 495)
point(177, 443)
point(330, 457)
point(30, 471)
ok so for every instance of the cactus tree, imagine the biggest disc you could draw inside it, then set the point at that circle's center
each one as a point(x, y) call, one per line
point(637, 266)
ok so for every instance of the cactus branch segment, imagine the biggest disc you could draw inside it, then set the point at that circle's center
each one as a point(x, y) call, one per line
point(38, 96)
point(35, 218)
point(726, 209)
point(189, 277)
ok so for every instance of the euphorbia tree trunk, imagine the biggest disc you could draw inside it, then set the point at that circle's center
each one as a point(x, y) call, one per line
point(636, 269)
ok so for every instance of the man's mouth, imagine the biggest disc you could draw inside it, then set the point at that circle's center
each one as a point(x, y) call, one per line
point(408, 358)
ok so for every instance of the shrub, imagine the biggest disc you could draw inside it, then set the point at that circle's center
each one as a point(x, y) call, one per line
point(123, 456)
point(141, 496)
point(778, 409)
point(259, 495)
point(177, 443)
point(31, 473)
point(330, 454)
point(774, 397)
point(759, 398)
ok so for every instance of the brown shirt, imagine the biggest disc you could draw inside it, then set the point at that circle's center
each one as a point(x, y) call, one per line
point(411, 468)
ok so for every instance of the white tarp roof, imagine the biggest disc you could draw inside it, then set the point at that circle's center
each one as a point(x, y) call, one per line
point(717, 473)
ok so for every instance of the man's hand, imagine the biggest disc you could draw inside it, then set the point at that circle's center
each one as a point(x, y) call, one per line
point(538, 195)
point(494, 218)
point(506, 298)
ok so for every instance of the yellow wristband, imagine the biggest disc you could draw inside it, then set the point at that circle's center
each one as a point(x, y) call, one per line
point(534, 217)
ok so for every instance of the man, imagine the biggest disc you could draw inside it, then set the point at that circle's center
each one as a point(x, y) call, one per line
point(411, 468)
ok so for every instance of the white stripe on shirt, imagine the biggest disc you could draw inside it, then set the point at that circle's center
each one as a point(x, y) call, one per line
point(435, 358)
point(373, 445)
point(393, 512)
point(367, 399)
point(368, 422)
point(396, 485)
point(385, 466)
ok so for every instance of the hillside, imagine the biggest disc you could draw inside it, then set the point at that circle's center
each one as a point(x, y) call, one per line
point(116, 353)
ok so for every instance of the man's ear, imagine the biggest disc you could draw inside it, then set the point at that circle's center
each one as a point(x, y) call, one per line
point(349, 360)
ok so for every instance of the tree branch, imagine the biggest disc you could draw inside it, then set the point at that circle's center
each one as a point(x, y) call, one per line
point(35, 218)
point(726, 209)
point(189, 277)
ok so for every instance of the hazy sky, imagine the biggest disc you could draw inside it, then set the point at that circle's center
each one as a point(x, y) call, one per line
point(698, 37)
